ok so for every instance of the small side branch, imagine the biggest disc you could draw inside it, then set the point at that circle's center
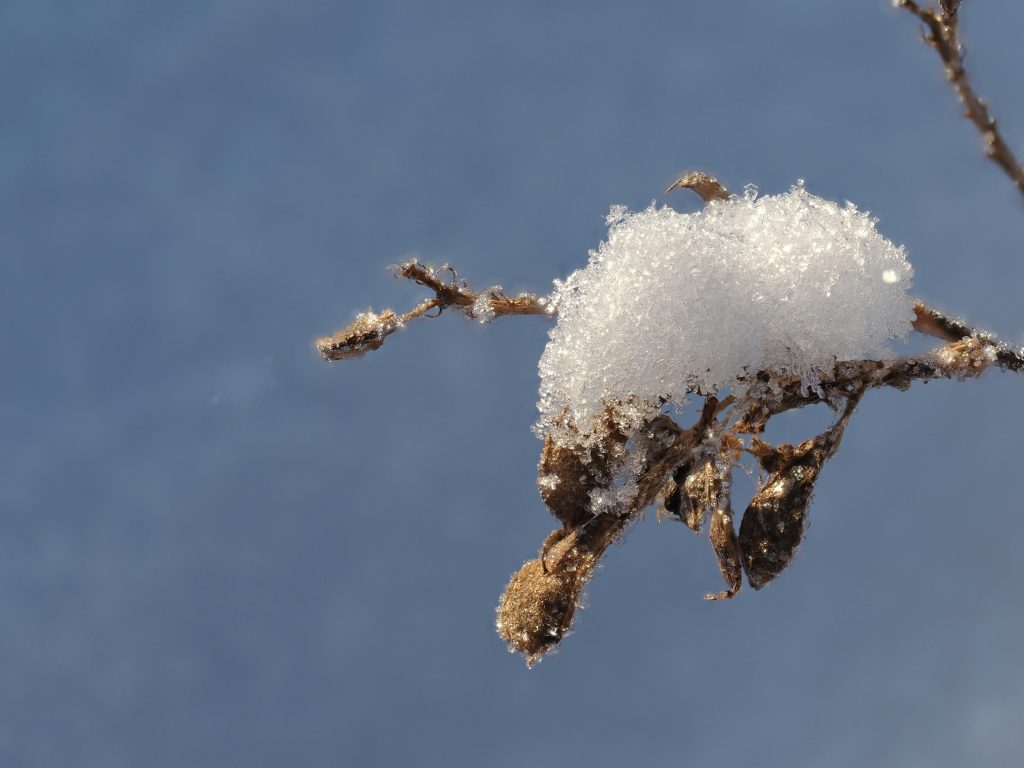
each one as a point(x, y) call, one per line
point(933, 323)
point(368, 331)
point(942, 34)
point(964, 359)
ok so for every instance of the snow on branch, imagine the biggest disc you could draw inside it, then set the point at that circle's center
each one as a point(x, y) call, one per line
point(758, 305)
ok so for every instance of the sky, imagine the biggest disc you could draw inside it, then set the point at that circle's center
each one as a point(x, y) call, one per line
point(218, 550)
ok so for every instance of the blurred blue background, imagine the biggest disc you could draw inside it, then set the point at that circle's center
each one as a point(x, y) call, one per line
point(216, 550)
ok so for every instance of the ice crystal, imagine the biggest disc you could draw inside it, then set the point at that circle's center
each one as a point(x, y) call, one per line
point(483, 308)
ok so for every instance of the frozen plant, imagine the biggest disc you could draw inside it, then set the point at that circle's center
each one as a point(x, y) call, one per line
point(757, 305)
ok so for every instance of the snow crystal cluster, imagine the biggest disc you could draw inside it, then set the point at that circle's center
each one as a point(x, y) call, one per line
point(483, 310)
point(674, 303)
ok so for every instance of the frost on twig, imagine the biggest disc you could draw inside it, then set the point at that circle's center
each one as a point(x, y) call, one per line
point(758, 305)
point(942, 32)
point(368, 331)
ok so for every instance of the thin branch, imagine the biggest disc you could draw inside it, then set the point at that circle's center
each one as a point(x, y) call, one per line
point(456, 293)
point(964, 359)
point(933, 323)
point(968, 354)
point(942, 34)
point(368, 331)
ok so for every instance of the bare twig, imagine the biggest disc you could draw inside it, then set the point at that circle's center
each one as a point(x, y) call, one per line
point(942, 34)
point(368, 331)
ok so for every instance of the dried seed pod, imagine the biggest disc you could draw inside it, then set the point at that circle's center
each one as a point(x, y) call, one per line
point(773, 526)
point(566, 476)
point(538, 605)
point(774, 522)
point(537, 608)
point(569, 474)
point(708, 490)
point(702, 489)
point(727, 550)
point(708, 480)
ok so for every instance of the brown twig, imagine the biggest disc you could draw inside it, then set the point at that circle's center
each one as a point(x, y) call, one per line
point(368, 331)
point(942, 34)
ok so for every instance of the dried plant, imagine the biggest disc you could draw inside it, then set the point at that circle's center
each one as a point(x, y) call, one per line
point(688, 470)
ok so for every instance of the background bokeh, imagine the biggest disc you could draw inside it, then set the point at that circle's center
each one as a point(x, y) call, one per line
point(216, 550)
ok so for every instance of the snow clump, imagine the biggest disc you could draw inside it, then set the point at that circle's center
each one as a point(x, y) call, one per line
point(674, 303)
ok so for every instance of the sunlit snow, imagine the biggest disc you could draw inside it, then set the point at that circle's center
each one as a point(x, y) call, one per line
point(675, 302)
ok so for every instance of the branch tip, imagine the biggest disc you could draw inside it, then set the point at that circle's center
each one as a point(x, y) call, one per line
point(942, 34)
point(368, 331)
point(704, 185)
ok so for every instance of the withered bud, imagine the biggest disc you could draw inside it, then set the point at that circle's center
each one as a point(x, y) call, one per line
point(537, 608)
point(566, 476)
point(364, 334)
